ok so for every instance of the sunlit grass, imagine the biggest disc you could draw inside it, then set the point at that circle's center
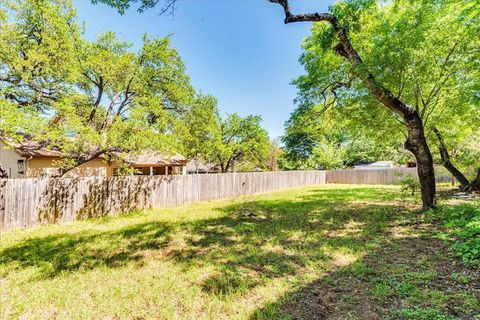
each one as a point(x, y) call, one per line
point(233, 259)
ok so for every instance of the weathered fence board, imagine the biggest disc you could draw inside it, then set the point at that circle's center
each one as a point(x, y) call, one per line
point(374, 176)
point(380, 176)
point(29, 202)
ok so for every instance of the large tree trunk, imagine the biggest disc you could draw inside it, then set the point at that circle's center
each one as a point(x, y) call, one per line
point(229, 164)
point(476, 181)
point(475, 184)
point(416, 142)
point(223, 168)
point(445, 156)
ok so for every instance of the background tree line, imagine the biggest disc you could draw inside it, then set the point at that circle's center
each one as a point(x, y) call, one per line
point(378, 76)
point(425, 53)
point(88, 99)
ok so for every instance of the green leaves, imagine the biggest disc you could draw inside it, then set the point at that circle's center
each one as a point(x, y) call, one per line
point(423, 52)
point(82, 96)
point(227, 142)
point(471, 10)
point(36, 51)
point(463, 224)
point(123, 5)
point(201, 135)
point(243, 140)
point(334, 138)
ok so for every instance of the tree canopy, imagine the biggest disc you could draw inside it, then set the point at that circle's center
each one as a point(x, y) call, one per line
point(86, 98)
point(243, 140)
point(225, 142)
point(425, 52)
point(98, 98)
point(123, 5)
point(331, 141)
point(202, 131)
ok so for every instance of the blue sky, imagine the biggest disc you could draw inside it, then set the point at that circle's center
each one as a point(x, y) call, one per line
point(237, 50)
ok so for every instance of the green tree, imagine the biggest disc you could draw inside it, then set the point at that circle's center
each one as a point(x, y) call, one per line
point(459, 145)
point(361, 59)
point(378, 50)
point(471, 9)
point(275, 152)
point(123, 5)
point(229, 142)
point(202, 132)
point(90, 98)
point(319, 138)
point(243, 140)
point(36, 63)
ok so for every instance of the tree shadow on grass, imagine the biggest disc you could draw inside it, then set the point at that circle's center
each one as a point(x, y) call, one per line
point(281, 238)
point(259, 241)
point(65, 252)
point(410, 277)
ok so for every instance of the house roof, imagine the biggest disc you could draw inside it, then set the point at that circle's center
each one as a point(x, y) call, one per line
point(32, 148)
point(29, 148)
point(194, 165)
point(153, 158)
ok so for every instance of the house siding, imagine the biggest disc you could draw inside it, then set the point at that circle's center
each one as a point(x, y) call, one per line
point(9, 161)
point(39, 167)
point(42, 166)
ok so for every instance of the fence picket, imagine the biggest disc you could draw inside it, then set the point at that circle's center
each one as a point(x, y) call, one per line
point(29, 202)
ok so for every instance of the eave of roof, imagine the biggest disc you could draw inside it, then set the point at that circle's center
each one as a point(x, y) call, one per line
point(28, 148)
point(152, 158)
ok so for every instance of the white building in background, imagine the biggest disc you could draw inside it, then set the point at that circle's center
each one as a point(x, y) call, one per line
point(201, 167)
point(375, 165)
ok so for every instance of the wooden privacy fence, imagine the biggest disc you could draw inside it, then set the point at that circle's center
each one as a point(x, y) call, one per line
point(29, 202)
point(380, 176)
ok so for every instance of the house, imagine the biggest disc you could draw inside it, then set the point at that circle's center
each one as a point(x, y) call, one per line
point(152, 163)
point(201, 167)
point(375, 165)
point(30, 160)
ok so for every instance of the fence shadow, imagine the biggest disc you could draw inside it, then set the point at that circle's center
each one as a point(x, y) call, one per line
point(60, 253)
point(100, 197)
point(326, 230)
point(308, 228)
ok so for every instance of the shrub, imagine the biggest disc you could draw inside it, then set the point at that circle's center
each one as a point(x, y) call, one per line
point(419, 314)
point(463, 222)
point(409, 185)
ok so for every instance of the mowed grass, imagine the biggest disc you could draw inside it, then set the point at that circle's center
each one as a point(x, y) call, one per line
point(340, 252)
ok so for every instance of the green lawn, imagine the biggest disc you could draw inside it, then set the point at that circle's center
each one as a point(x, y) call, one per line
point(335, 252)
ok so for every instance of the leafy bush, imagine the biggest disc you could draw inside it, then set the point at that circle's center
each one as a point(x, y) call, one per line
point(409, 185)
point(419, 314)
point(463, 222)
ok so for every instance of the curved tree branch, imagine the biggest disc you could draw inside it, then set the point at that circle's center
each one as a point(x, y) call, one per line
point(416, 141)
point(345, 49)
point(446, 162)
